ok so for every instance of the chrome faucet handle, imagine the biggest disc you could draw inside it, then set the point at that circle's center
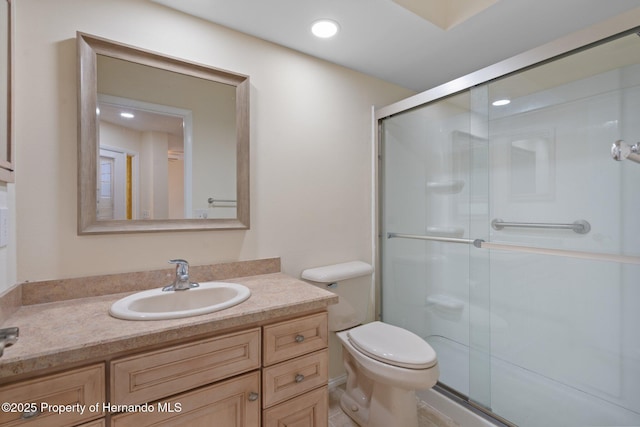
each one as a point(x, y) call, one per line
point(8, 337)
point(182, 267)
point(182, 282)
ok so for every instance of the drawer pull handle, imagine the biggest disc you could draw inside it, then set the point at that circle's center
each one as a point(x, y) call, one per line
point(299, 338)
point(30, 414)
point(253, 396)
point(299, 378)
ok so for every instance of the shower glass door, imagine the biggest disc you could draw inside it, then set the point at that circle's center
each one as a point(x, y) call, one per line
point(539, 323)
point(435, 198)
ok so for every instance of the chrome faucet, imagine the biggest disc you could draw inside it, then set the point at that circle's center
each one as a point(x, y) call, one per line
point(8, 337)
point(182, 282)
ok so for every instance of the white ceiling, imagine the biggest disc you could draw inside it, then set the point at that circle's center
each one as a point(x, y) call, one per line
point(385, 40)
point(142, 121)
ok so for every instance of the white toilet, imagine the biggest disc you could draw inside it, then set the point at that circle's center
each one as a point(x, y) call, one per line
point(385, 364)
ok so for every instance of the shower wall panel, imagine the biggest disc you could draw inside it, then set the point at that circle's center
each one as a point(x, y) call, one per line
point(566, 319)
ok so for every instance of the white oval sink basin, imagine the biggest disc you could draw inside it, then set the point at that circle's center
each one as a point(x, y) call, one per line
point(156, 304)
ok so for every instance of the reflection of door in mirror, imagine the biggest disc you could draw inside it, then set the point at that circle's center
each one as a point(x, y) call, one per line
point(117, 185)
point(106, 186)
point(105, 208)
point(183, 144)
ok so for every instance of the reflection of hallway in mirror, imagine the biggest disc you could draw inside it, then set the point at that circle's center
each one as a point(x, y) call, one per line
point(153, 139)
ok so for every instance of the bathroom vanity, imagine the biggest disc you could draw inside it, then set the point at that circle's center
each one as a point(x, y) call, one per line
point(262, 362)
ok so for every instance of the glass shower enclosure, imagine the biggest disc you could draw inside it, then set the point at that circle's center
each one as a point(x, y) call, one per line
point(510, 236)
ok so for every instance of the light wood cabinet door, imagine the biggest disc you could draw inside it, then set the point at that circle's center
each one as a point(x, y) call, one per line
point(80, 389)
point(231, 403)
point(293, 338)
point(309, 410)
point(154, 375)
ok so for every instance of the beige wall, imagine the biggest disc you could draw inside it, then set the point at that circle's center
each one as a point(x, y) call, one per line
point(310, 145)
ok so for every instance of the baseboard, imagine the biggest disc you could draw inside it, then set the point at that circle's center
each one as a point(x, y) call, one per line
point(337, 381)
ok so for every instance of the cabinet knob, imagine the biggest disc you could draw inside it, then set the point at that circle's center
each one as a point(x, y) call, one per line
point(299, 338)
point(253, 396)
point(299, 378)
point(30, 414)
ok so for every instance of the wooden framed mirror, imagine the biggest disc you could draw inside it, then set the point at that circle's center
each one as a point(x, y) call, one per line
point(163, 143)
point(6, 146)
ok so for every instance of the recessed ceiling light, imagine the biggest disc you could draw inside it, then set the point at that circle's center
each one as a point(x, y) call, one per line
point(127, 115)
point(325, 28)
point(501, 102)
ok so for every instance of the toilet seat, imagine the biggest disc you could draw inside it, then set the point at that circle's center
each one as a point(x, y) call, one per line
point(393, 345)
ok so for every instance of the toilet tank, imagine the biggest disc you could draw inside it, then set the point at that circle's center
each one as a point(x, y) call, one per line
point(351, 281)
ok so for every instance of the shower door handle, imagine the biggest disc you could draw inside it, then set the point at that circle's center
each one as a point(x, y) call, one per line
point(620, 150)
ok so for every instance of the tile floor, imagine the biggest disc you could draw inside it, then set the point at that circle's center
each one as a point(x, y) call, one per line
point(427, 416)
point(337, 418)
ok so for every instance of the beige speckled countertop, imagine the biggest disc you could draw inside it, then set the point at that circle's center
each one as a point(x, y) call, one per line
point(62, 333)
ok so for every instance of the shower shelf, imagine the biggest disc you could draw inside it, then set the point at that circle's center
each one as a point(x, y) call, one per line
point(446, 187)
point(445, 302)
point(445, 231)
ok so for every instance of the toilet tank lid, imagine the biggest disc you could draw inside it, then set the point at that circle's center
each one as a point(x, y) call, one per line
point(337, 272)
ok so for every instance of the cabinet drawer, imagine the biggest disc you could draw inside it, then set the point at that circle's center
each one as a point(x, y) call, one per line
point(80, 388)
point(294, 377)
point(308, 410)
point(157, 374)
point(293, 338)
point(231, 403)
point(97, 423)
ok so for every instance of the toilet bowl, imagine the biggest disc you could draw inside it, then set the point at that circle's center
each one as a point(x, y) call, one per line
point(385, 364)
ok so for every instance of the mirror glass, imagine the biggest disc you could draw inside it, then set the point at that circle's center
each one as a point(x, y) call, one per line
point(166, 142)
point(164, 153)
